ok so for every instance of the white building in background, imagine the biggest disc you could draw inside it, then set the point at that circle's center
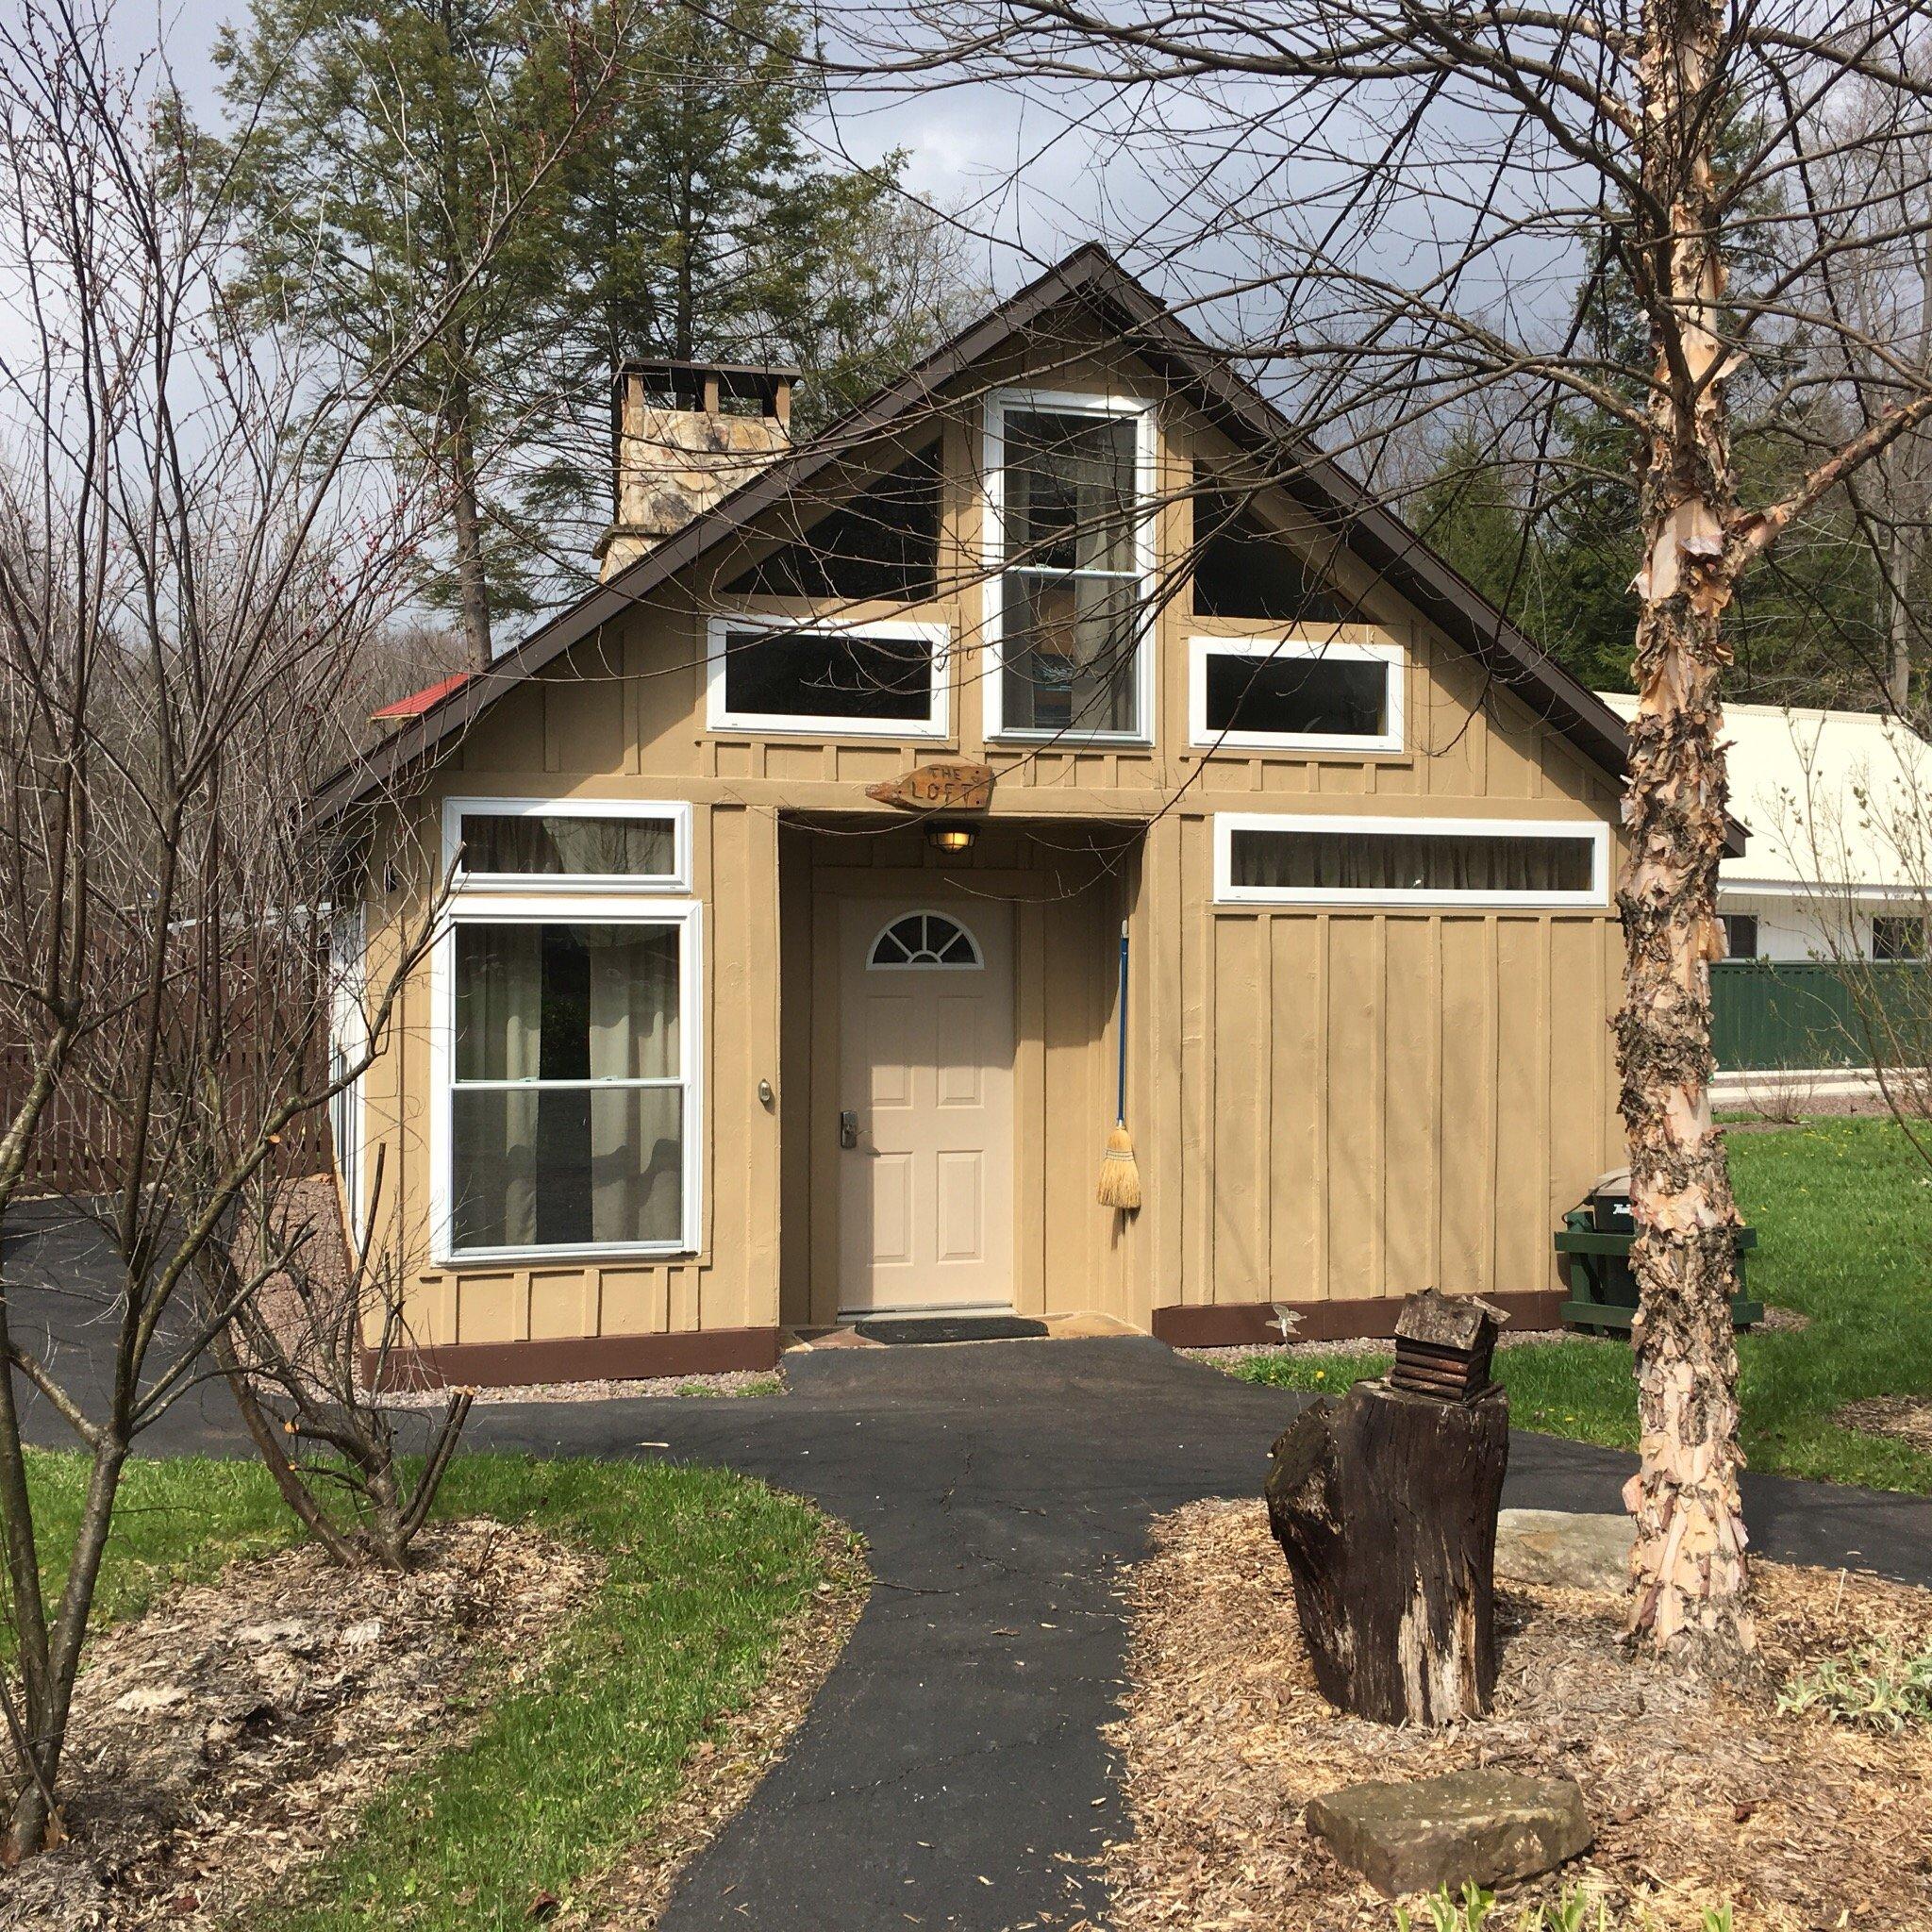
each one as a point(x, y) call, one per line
point(1839, 808)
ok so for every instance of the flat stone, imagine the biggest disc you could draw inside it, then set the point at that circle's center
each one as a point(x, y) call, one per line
point(1479, 1827)
point(1556, 1548)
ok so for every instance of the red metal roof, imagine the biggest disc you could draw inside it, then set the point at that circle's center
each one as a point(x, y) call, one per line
point(420, 701)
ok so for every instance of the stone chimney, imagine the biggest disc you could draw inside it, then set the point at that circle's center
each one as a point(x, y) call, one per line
point(684, 435)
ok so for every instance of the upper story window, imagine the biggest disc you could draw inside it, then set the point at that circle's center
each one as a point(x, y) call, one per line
point(881, 547)
point(1243, 570)
point(1294, 694)
point(838, 678)
point(1069, 483)
point(584, 842)
point(1897, 937)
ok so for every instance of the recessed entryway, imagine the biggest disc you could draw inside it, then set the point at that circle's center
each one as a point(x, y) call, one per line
point(926, 1107)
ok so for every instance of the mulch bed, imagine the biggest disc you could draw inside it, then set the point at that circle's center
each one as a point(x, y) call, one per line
point(229, 1734)
point(1907, 1417)
point(1699, 1795)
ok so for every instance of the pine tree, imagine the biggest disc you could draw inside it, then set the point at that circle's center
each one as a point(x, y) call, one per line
point(397, 159)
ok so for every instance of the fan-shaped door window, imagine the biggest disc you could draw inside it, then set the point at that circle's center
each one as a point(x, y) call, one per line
point(924, 939)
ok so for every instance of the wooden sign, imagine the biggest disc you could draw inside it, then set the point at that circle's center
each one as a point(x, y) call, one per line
point(955, 786)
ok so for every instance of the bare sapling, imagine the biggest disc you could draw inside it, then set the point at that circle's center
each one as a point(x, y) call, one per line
point(196, 563)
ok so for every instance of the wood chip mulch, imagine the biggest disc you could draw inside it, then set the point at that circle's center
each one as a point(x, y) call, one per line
point(723, 1769)
point(1907, 1417)
point(1699, 1795)
point(228, 1735)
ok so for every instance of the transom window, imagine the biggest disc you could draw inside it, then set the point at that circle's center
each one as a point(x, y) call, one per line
point(522, 840)
point(1068, 484)
point(1337, 860)
point(924, 939)
point(1281, 693)
point(872, 680)
point(568, 1068)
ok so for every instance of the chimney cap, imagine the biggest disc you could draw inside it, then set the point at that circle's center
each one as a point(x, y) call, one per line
point(643, 364)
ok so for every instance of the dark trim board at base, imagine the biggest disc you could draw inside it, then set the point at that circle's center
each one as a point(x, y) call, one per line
point(578, 1358)
point(1236, 1324)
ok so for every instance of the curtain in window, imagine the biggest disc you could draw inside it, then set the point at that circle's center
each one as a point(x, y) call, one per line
point(637, 1158)
point(630, 848)
point(1373, 862)
point(499, 1037)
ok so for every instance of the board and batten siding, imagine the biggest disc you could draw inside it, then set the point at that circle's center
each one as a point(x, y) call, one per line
point(731, 1282)
point(1328, 1103)
point(1334, 1104)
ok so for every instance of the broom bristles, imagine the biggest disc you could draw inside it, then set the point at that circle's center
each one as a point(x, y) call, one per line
point(1120, 1173)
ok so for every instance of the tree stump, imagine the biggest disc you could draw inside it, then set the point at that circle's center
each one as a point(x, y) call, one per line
point(1384, 1505)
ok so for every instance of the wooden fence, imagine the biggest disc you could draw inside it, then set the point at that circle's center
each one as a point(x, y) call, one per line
point(80, 1147)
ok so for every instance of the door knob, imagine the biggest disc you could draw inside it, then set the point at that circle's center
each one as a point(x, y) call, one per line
point(848, 1128)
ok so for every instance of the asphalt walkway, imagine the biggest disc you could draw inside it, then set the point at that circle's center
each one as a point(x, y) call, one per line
point(950, 1773)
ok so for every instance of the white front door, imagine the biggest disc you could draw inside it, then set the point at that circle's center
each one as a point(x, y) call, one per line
point(926, 1127)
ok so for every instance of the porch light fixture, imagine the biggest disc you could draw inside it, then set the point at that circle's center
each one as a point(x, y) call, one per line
point(951, 839)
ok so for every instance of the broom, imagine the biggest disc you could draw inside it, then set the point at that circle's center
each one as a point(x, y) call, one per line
point(1120, 1175)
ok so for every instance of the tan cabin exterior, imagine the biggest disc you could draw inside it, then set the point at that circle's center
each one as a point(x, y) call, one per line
point(1338, 1093)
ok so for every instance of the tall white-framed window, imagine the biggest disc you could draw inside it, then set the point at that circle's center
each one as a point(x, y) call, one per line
point(565, 1049)
point(348, 1041)
point(1335, 860)
point(1069, 566)
point(839, 677)
point(574, 844)
point(1306, 692)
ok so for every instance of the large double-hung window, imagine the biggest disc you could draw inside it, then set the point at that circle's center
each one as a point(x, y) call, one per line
point(566, 1088)
point(1069, 488)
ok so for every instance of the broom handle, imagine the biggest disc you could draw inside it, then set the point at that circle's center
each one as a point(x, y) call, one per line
point(1120, 1080)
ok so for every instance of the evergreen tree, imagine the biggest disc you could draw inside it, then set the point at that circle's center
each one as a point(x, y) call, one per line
point(698, 222)
point(398, 158)
point(680, 209)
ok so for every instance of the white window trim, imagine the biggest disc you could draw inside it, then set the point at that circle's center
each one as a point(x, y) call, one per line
point(1202, 737)
point(536, 908)
point(719, 716)
point(1226, 892)
point(349, 1037)
point(676, 880)
point(976, 964)
point(992, 526)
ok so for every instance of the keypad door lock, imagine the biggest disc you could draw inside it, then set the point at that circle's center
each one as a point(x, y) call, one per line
point(848, 1128)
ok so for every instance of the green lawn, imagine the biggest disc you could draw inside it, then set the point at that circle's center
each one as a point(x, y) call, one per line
point(703, 1570)
point(1844, 1210)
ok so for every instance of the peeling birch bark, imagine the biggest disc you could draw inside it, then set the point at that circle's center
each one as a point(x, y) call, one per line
point(1691, 1577)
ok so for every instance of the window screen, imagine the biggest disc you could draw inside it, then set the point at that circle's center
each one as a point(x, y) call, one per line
point(549, 847)
point(882, 545)
point(1490, 864)
point(809, 674)
point(1243, 570)
point(1288, 695)
point(567, 1115)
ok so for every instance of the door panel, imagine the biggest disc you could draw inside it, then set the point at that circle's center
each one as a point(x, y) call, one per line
point(926, 1196)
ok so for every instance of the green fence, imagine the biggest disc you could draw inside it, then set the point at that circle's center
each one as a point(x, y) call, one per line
point(1767, 1014)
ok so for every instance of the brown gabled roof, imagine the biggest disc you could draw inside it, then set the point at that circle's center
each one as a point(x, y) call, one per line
point(1197, 374)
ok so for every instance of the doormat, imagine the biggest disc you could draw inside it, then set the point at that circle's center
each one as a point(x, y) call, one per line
point(951, 1328)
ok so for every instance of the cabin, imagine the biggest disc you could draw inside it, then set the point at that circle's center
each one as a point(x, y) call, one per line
point(775, 895)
